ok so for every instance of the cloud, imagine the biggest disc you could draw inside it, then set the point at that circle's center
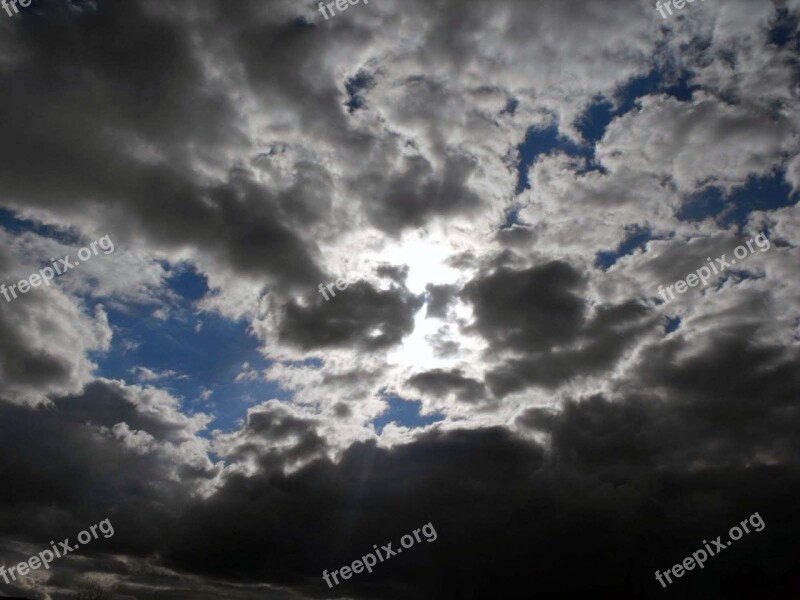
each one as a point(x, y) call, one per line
point(35, 329)
point(439, 383)
point(363, 317)
point(149, 375)
point(529, 309)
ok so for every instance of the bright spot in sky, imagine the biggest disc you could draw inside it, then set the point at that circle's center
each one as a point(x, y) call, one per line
point(425, 260)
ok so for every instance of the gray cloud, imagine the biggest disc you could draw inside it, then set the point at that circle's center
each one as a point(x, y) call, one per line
point(360, 316)
point(439, 382)
point(531, 309)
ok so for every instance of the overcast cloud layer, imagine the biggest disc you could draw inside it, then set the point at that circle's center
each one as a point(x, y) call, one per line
point(505, 185)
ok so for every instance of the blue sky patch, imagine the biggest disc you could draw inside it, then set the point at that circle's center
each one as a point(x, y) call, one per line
point(510, 107)
point(191, 347)
point(13, 224)
point(541, 142)
point(592, 124)
point(758, 194)
point(599, 114)
point(512, 218)
point(784, 29)
point(354, 86)
point(672, 324)
point(637, 237)
point(186, 281)
point(405, 413)
point(198, 352)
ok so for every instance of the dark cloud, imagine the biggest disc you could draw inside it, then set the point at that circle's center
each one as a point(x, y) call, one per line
point(611, 475)
point(439, 383)
point(26, 365)
point(440, 297)
point(418, 193)
point(600, 344)
point(528, 309)
point(107, 403)
point(342, 514)
point(71, 467)
point(34, 330)
point(342, 410)
point(398, 274)
point(125, 120)
point(540, 313)
point(360, 316)
point(275, 438)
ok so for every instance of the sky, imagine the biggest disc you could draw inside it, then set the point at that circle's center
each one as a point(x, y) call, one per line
point(565, 342)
